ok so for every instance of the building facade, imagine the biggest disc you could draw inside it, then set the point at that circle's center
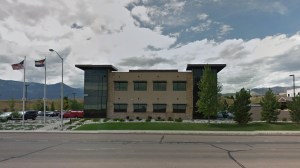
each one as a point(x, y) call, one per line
point(158, 94)
point(290, 92)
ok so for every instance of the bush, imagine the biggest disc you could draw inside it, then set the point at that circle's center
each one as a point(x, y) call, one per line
point(106, 119)
point(284, 119)
point(170, 119)
point(178, 120)
point(16, 115)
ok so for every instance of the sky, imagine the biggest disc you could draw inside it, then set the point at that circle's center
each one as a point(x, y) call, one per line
point(258, 40)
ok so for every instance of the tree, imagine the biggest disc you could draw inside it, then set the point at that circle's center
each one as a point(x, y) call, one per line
point(209, 89)
point(66, 103)
point(11, 104)
point(270, 107)
point(52, 108)
point(39, 105)
point(241, 107)
point(294, 108)
point(75, 105)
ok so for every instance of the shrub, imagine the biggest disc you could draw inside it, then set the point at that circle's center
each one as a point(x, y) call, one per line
point(178, 120)
point(284, 119)
point(170, 119)
point(106, 119)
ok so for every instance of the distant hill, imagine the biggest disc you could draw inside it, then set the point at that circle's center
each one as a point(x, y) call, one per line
point(276, 90)
point(262, 91)
point(14, 90)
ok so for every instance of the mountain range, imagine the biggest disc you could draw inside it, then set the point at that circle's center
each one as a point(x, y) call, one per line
point(14, 90)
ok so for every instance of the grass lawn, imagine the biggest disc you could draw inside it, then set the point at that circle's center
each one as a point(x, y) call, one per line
point(190, 126)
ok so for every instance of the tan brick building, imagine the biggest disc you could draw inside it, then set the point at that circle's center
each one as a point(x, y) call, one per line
point(142, 93)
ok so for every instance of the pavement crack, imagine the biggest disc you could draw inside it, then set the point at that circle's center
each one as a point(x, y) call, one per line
point(229, 153)
point(161, 139)
point(29, 153)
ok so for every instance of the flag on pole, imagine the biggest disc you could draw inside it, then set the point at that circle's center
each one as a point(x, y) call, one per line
point(18, 66)
point(40, 63)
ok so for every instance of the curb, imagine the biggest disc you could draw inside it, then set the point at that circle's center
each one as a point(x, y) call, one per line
point(220, 133)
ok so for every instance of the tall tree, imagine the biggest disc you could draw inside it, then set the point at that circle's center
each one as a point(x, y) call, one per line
point(39, 105)
point(241, 107)
point(209, 89)
point(270, 107)
point(52, 108)
point(294, 108)
point(11, 104)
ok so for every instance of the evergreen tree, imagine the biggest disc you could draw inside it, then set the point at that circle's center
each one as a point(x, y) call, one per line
point(241, 107)
point(208, 93)
point(294, 108)
point(66, 103)
point(270, 107)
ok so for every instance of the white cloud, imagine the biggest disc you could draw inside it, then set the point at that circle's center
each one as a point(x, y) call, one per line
point(141, 13)
point(225, 29)
point(202, 16)
point(109, 35)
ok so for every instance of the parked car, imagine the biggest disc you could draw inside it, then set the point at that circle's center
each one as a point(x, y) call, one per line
point(224, 115)
point(30, 114)
point(5, 116)
point(73, 114)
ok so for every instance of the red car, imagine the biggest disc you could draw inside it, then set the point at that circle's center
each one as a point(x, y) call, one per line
point(73, 114)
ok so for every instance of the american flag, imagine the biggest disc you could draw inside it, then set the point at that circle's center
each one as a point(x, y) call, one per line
point(18, 66)
point(40, 63)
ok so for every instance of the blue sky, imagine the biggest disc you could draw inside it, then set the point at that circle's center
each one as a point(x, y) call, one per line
point(259, 40)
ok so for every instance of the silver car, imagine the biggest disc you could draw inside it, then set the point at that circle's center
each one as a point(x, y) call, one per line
point(6, 116)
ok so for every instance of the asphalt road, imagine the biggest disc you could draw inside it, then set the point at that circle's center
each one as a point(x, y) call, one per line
point(59, 150)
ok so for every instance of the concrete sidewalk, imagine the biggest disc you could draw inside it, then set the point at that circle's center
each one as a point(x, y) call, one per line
point(166, 132)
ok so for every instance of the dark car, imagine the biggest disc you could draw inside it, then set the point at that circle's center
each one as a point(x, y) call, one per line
point(30, 114)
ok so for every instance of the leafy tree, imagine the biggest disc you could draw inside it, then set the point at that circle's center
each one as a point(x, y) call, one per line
point(39, 105)
point(12, 104)
point(208, 93)
point(75, 105)
point(66, 103)
point(52, 108)
point(294, 108)
point(241, 107)
point(270, 107)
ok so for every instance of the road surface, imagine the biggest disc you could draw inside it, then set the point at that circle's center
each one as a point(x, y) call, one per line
point(59, 150)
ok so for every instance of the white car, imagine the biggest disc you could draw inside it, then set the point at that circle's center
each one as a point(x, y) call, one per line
point(5, 116)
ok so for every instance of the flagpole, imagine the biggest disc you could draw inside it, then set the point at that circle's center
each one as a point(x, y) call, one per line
point(24, 92)
point(45, 95)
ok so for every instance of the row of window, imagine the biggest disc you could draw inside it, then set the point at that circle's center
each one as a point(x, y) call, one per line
point(157, 108)
point(157, 85)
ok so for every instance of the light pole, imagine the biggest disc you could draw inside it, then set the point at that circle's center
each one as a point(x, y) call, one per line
point(294, 84)
point(62, 89)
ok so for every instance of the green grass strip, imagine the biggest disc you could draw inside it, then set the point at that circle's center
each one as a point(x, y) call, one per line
point(191, 126)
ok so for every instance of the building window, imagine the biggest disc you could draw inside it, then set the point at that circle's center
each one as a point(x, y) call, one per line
point(140, 85)
point(159, 108)
point(121, 85)
point(139, 108)
point(120, 108)
point(159, 85)
point(179, 85)
point(179, 108)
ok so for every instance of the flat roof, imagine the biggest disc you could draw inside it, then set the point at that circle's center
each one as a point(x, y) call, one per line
point(218, 67)
point(88, 66)
point(154, 70)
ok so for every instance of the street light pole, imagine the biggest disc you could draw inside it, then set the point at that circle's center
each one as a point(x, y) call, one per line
point(294, 84)
point(62, 88)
